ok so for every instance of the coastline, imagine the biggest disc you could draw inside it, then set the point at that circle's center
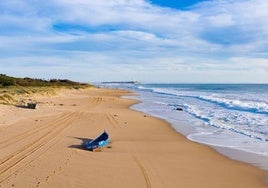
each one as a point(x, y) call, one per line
point(183, 128)
point(145, 151)
point(161, 101)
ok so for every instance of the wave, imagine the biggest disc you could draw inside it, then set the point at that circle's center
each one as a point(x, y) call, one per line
point(235, 102)
point(238, 104)
point(247, 124)
point(243, 114)
point(222, 116)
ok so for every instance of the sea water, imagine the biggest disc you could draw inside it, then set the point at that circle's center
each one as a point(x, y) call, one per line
point(228, 117)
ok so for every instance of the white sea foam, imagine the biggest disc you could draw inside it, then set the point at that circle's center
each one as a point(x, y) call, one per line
point(230, 140)
point(256, 103)
point(231, 116)
point(242, 104)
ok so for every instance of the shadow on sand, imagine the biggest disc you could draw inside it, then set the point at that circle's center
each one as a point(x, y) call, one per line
point(81, 146)
point(27, 106)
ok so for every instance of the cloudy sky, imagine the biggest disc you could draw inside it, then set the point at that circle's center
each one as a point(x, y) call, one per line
point(184, 41)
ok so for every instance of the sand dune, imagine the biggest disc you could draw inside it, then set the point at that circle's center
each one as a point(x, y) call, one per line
point(42, 148)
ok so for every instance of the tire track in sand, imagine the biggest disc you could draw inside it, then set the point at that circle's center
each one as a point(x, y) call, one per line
point(28, 153)
point(113, 120)
point(14, 139)
point(96, 101)
point(144, 172)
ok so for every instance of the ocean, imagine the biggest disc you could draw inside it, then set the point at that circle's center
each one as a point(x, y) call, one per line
point(232, 118)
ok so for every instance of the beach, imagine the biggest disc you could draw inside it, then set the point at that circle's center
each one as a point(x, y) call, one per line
point(42, 147)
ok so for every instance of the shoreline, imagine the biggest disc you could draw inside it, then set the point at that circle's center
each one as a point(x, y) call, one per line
point(253, 159)
point(184, 128)
point(145, 151)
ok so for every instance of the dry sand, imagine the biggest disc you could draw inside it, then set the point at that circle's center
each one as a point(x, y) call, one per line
point(42, 148)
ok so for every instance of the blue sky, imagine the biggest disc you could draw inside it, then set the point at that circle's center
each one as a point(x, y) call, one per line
point(176, 4)
point(223, 41)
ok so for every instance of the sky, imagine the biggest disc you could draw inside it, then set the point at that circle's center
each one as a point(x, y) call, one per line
point(178, 41)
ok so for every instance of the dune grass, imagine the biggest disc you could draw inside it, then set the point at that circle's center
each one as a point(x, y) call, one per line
point(12, 88)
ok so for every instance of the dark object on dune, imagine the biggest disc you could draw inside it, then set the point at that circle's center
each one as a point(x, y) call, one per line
point(31, 105)
point(179, 109)
point(98, 143)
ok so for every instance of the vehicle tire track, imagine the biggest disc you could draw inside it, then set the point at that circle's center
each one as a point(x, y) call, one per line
point(144, 172)
point(96, 101)
point(12, 163)
point(19, 137)
point(14, 160)
point(112, 120)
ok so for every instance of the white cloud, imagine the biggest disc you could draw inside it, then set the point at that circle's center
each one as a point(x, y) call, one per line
point(135, 37)
point(221, 20)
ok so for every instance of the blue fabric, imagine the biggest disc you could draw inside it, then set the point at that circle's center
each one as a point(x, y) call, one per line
point(100, 141)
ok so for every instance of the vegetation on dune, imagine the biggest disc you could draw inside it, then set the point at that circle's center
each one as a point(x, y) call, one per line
point(6, 81)
point(12, 88)
point(7, 99)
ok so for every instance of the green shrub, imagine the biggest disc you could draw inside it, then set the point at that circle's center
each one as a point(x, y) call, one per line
point(6, 81)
